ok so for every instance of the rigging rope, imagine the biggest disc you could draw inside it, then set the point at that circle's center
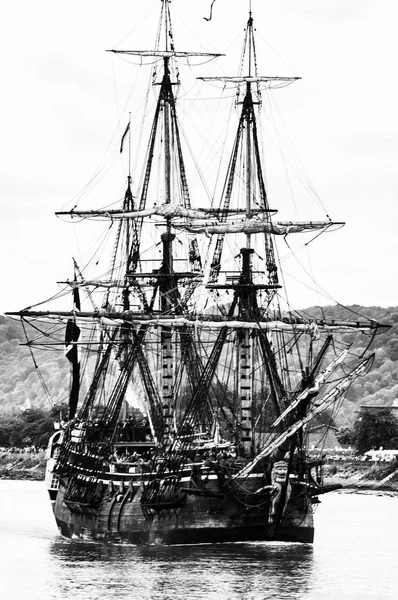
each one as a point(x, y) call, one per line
point(39, 374)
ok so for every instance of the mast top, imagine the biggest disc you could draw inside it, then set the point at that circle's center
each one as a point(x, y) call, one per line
point(169, 51)
point(250, 75)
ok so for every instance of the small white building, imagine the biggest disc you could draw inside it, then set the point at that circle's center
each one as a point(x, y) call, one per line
point(382, 455)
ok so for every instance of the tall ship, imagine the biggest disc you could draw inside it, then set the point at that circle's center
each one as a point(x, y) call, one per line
point(194, 381)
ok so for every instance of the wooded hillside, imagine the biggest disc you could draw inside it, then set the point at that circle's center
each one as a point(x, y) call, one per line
point(380, 385)
point(20, 377)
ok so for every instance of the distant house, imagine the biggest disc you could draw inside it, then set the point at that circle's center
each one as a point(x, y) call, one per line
point(382, 455)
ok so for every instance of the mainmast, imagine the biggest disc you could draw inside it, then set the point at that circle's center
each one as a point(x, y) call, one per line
point(248, 130)
point(248, 304)
point(245, 288)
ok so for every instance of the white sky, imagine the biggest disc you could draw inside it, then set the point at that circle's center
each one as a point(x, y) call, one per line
point(60, 105)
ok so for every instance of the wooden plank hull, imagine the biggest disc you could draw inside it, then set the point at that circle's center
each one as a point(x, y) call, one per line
point(122, 518)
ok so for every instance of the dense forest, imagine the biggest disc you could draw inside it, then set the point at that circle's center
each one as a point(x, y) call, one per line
point(42, 382)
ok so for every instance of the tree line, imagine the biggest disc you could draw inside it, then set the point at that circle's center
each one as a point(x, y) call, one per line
point(31, 427)
point(371, 430)
point(34, 426)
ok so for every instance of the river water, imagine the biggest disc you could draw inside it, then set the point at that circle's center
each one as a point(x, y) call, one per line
point(354, 556)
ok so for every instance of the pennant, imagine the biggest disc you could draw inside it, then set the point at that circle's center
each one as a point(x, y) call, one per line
point(211, 12)
point(124, 136)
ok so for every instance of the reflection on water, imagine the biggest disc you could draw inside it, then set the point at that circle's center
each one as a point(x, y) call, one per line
point(353, 557)
point(273, 570)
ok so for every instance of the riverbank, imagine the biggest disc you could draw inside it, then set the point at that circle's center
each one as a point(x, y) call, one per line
point(23, 465)
point(363, 477)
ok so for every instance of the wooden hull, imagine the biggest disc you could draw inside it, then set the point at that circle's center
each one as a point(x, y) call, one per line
point(120, 517)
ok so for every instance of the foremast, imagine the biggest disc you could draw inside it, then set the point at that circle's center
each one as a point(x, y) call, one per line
point(165, 127)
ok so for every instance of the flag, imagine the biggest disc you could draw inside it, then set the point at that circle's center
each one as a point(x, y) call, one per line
point(72, 332)
point(211, 12)
point(76, 299)
point(72, 335)
point(123, 136)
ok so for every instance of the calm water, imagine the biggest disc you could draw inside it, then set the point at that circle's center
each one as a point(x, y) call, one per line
point(354, 556)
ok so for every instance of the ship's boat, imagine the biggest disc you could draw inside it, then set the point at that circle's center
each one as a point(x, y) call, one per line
point(194, 380)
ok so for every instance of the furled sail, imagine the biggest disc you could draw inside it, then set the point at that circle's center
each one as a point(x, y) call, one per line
point(207, 225)
point(310, 326)
point(314, 389)
point(319, 406)
point(255, 225)
point(170, 210)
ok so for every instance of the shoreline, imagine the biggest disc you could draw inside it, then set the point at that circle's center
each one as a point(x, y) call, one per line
point(353, 486)
point(29, 466)
point(363, 477)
